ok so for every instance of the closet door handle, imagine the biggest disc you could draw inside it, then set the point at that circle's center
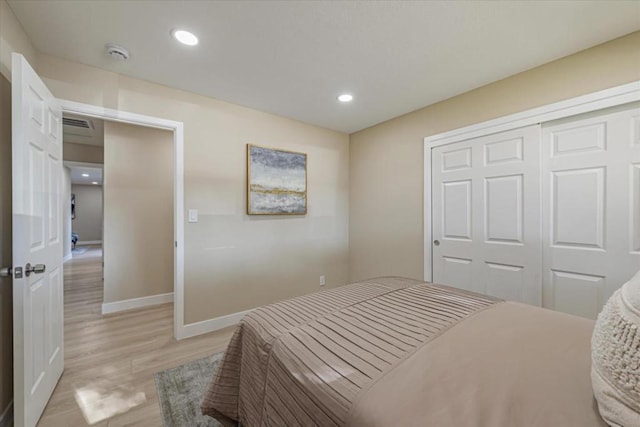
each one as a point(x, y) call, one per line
point(436, 242)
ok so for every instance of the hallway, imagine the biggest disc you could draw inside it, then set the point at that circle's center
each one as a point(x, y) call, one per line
point(111, 360)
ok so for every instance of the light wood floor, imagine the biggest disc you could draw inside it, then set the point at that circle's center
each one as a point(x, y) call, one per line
point(110, 361)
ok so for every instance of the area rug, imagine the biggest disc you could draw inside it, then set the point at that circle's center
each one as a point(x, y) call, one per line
point(180, 391)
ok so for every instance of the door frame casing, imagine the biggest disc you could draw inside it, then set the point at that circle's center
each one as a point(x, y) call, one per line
point(178, 189)
point(611, 97)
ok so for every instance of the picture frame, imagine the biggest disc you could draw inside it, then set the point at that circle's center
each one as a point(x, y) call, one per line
point(276, 181)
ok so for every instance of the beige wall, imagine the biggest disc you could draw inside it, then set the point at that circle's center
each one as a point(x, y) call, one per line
point(138, 215)
point(88, 221)
point(13, 39)
point(6, 299)
point(83, 153)
point(234, 262)
point(386, 167)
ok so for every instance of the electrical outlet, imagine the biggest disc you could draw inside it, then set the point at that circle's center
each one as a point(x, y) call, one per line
point(322, 281)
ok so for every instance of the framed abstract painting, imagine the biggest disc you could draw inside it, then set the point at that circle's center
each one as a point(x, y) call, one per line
point(276, 181)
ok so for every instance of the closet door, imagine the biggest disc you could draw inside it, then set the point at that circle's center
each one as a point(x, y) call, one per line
point(591, 208)
point(486, 215)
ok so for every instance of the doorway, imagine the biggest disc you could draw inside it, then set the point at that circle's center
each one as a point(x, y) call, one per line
point(128, 198)
point(176, 129)
point(120, 195)
point(37, 244)
point(83, 158)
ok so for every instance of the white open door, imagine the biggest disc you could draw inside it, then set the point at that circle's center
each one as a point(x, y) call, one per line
point(37, 243)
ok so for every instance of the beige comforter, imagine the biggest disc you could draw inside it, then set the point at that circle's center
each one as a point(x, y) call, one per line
point(395, 351)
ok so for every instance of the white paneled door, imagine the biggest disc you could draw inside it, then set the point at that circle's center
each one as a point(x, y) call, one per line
point(591, 208)
point(486, 215)
point(37, 243)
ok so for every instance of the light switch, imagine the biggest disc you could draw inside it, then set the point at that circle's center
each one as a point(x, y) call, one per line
point(193, 215)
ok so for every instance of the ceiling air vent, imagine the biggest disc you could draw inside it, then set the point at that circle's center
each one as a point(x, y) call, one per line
point(77, 126)
point(77, 123)
point(117, 52)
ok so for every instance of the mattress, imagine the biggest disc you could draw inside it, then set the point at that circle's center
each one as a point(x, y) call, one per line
point(395, 351)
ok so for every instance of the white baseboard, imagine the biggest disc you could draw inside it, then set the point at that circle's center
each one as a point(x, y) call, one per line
point(88, 242)
point(199, 328)
point(129, 304)
point(67, 257)
point(6, 419)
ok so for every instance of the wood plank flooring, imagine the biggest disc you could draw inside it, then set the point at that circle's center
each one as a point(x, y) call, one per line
point(110, 361)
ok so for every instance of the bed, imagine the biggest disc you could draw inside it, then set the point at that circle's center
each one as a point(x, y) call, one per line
point(399, 352)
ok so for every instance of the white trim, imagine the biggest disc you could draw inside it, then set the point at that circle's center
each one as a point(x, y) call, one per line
point(611, 97)
point(88, 242)
point(129, 304)
point(427, 214)
point(117, 115)
point(178, 188)
point(67, 257)
point(6, 419)
point(72, 163)
point(178, 221)
point(582, 104)
point(199, 328)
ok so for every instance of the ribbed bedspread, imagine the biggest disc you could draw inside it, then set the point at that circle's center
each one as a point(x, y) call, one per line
point(306, 361)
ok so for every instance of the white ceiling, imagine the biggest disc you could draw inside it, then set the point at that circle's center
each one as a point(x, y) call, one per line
point(293, 58)
point(78, 169)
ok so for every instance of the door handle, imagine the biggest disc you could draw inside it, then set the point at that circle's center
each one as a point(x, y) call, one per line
point(36, 269)
point(436, 242)
point(6, 271)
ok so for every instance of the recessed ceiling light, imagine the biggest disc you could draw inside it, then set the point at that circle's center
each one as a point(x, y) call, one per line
point(86, 175)
point(345, 97)
point(185, 37)
point(95, 182)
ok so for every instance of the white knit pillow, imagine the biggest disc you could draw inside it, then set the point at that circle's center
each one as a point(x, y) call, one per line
point(615, 356)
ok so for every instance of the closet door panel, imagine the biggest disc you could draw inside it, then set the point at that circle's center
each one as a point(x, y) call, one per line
point(486, 215)
point(577, 207)
point(590, 209)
